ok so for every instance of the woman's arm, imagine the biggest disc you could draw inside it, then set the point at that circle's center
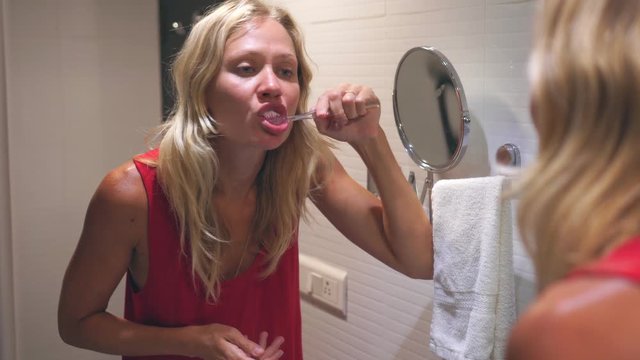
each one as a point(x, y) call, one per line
point(393, 228)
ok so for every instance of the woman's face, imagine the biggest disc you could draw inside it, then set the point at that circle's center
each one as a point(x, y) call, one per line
point(257, 83)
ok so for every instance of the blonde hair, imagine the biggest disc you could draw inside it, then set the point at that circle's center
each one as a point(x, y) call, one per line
point(581, 198)
point(188, 165)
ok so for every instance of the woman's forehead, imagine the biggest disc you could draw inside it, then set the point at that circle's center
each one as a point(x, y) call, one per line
point(261, 37)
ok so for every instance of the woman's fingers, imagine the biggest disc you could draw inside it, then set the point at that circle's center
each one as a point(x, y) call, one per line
point(274, 352)
point(241, 347)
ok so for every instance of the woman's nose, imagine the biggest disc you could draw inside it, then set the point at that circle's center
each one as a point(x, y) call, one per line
point(269, 84)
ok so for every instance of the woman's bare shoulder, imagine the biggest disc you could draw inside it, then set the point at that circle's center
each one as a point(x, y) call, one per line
point(589, 318)
point(122, 186)
point(119, 199)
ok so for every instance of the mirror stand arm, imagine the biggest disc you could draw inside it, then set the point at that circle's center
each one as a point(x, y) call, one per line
point(426, 193)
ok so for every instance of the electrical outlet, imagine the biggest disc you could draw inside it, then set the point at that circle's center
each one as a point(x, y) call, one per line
point(323, 283)
point(329, 290)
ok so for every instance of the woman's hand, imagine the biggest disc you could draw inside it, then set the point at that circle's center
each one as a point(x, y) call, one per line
point(348, 113)
point(221, 342)
point(271, 352)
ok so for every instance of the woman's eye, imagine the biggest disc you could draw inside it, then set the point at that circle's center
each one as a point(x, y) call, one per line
point(287, 73)
point(245, 70)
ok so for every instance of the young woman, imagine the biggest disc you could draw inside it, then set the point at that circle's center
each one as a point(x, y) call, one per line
point(205, 224)
point(580, 203)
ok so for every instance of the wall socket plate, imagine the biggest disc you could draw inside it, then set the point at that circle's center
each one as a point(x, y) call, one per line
point(323, 284)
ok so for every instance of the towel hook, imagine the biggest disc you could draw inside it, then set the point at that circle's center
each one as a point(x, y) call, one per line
point(508, 155)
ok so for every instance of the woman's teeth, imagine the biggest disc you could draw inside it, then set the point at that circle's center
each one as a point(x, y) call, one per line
point(274, 118)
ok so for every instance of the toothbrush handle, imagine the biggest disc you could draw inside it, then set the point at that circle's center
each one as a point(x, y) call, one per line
point(303, 116)
point(309, 114)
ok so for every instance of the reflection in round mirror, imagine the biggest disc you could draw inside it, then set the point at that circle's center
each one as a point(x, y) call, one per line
point(430, 109)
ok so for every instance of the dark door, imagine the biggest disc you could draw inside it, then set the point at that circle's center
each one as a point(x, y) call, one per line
point(176, 18)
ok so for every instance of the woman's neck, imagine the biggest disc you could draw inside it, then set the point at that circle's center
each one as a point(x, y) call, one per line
point(238, 171)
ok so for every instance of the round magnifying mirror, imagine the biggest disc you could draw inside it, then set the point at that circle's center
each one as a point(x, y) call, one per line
point(430, 109)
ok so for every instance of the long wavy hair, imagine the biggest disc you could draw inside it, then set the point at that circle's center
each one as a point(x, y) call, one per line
point(188, 166)
point(581, 198)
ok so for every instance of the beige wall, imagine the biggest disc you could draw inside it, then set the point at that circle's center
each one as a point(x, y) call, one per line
point(82, 85)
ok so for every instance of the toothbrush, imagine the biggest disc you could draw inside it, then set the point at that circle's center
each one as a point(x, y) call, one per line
point(309, 114)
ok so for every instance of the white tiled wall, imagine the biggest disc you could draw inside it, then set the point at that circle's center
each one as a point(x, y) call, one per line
point(362, 41)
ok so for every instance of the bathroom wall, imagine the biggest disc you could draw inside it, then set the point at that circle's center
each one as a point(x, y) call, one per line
point(82, 85)
point(362, 41)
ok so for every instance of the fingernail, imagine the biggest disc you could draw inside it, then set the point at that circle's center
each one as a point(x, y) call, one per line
point(258, 351)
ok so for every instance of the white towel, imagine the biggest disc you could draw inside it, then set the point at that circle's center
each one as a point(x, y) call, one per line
point(474, 301)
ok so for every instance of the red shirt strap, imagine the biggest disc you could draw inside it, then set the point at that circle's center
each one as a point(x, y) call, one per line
point(624, 261)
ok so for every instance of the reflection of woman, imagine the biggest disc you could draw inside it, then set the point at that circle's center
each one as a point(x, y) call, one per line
point(205, 226)
point(580, 205)
point(447, 104)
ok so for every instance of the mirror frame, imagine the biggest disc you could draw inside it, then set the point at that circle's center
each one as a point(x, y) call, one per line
point(462, 105)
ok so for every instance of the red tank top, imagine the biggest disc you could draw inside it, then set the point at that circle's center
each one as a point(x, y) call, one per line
point(622, 262)
point(247, 302)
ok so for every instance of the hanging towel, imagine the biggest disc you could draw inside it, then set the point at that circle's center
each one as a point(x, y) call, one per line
point(474, 300)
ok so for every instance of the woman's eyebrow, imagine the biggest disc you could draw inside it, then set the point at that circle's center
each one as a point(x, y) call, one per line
point(257, 54)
